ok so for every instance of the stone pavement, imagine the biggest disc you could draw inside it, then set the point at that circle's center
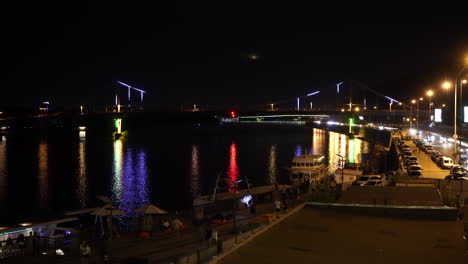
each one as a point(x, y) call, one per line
point(324, 236)
point(168, 247)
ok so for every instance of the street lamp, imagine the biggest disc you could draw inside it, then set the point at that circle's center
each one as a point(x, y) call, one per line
point(455, 136)
point(411, 108)
point(430, 93)
point(462, 82)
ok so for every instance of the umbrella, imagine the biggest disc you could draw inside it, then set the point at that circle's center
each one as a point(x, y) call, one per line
point(105, 199)
point(150, 210)
point(107, 210)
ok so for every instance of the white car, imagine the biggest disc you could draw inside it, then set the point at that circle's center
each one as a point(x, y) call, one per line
point(361, 181)
point(375, 181)
point(446, 162)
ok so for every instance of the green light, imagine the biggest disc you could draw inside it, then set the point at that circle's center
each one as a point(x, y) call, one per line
point(351, 150)
point(116, 123)
point(351, 121)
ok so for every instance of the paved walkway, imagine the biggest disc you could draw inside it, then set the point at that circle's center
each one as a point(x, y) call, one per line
point(327, 236)
point(167, 247)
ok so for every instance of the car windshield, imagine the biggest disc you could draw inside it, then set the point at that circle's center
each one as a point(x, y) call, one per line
point(375, 178)
point(415, 168)
point(364, 178)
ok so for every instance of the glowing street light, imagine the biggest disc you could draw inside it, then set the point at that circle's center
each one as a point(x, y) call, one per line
point(446, 85)
point(356, 109)
point(455, 136)
point(430, 93)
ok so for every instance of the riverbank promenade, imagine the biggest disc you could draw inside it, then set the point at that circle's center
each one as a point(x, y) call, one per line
point(331, 236)
point(164, 247)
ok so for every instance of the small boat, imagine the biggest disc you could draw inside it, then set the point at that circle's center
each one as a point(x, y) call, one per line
point(307, 169)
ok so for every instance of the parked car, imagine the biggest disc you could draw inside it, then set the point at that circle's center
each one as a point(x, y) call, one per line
point(416, 174)
point(434, 154)
point(375, 181)
point(446, 162)
point(410, 159)
point(407, 153)
point(428, 149)
point(437, 158)
point(362, 180)
point(414, 168)
point(460, 177)
point(457, 170)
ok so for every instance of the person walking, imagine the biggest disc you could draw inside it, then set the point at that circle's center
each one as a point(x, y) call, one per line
point(277, 206)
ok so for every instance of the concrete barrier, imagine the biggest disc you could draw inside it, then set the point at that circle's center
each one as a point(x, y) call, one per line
point(432, 212)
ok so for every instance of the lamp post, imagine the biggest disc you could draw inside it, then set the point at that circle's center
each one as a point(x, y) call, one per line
point(430, 93)
point(411, 107)
point(462, 82)
point(342, 169)
point(455, 136)
point(417, 112)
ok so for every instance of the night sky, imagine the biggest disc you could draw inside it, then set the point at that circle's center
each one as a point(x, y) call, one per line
point(74, 54)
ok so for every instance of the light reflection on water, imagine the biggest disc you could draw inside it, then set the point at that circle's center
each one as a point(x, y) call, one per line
point(195, 172)
point(3, 174)
point(82, 190)
point(43, 175)
point(233, 170)
point(130, 180)
point(272, 165)
point(123, 169)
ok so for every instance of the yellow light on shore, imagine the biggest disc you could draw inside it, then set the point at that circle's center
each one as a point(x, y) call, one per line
point(430, 93)
point(464, 81)
point(413, 101)
point(446, 85)
point(420, 99)
point(356, 109)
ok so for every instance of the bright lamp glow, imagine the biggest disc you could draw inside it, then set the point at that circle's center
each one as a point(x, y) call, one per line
point(430, 93)
point(446, 85)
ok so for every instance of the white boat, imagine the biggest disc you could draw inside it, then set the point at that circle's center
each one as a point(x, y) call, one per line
point(307, 169)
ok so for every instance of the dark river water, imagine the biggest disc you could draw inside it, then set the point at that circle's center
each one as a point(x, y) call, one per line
point(43, 175)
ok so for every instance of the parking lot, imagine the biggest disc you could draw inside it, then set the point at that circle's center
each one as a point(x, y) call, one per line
point(430, 168)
